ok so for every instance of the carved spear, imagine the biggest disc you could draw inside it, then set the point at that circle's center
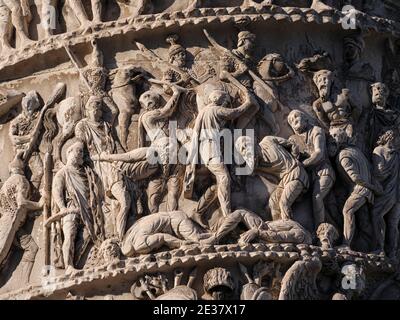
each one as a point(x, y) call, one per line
point(221, 50)
point(152, 56)
point(56, 96)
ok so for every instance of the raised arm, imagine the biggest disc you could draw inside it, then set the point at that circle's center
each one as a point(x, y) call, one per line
point(166, 111)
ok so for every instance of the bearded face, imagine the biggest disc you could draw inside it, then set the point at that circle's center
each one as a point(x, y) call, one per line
point(298, 122)
point(379, 95)
point(324, 84)
point(247, 151)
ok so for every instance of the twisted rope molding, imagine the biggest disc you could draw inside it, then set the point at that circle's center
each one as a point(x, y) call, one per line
point(195, 255)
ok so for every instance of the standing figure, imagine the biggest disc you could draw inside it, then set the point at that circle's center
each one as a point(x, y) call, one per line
point(153, 122)
point(98, 137)
point(17, 14)
point(334, 110)
point(123, 93)
point(355, 170)
point(206, 141)
point(358, 76)
point(311, 141)
point(180, 74)
point(93, 81)
point(15, 205)
point(21, 134)
point(77, 197)
point(386, 170)
point(79, 10)
point(382, 117)
point(271, 158)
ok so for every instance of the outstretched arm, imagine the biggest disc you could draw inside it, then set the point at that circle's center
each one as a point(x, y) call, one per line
point(130, 157)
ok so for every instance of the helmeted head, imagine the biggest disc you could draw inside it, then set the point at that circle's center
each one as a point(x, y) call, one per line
point(177, 53)
point(298, 121)
point(218, 98)
point(30, 103)
point(353, 47)
point(380, 94)
point(323, 79)
point(150, 100)
point(94, 108)
point(246, 41)
point(75, 154)
point(246, 148)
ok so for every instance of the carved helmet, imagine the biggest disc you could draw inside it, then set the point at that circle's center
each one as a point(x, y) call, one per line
point(175, 47)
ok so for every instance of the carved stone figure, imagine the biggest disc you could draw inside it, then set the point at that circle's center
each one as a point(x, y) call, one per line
point(21, 133)
point(206, 142)
point(49, 16)
point(77, 196)
point(299, 282)
point(271, 158)
point(355, 169)
point(382, 117)
point(334, 112)
point(99, 138)
point(327, 235)
point(386, 162)
point(171, 229)
point(154, 120)
point(80, 12)
point(313, 153)
point(15, 206)
point(279, 231)
point(145, 163)
point(123, 93)
point(93, 80)
point(15, 14)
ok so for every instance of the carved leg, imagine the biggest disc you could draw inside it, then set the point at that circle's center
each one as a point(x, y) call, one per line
point(274, 203)
point(352, 205)
point(69, 227)
point(155, 194)
point(97, 9)
point(26, 243)
point(393, 219)
point(49, 16)
point(174, 193)
point(378, 218)
point(5, 29)
point(322, 187)
point(139, 7)
point(290, 193)
point(224, 186)
point(79, 11)
point(124, 121)
point(195, 4)
point(124, 200)
point(18, 20)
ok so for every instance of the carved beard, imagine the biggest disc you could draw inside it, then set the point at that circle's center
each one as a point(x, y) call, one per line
point(248, 156)
point(379, 100)
point(324, 92)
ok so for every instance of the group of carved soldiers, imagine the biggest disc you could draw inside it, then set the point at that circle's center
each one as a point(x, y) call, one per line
point(100, 181)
